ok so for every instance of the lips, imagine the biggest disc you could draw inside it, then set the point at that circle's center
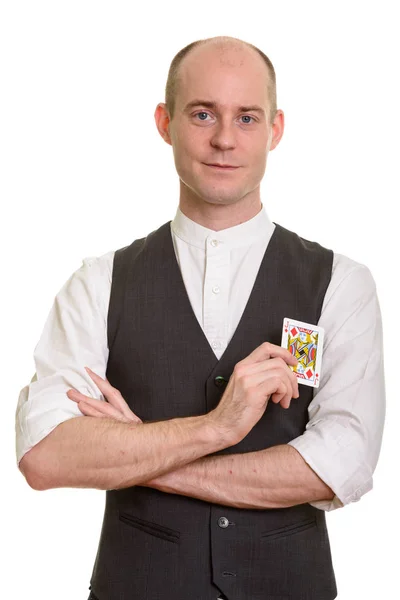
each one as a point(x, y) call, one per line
point(221, 166)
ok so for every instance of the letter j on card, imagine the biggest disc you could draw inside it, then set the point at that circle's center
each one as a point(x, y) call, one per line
point(305, 342)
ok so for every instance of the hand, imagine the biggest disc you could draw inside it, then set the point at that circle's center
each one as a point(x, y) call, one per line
point(262, 375)
point(115, 408)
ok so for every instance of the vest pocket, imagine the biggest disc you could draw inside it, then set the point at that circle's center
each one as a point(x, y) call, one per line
point(152, 528)
point(288, 530)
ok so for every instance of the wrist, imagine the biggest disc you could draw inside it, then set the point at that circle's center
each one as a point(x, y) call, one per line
point(220, 435)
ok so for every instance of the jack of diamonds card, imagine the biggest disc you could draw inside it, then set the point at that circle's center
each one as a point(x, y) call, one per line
point(305, 342)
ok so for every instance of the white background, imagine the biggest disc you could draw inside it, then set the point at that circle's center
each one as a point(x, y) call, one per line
point(84, 171)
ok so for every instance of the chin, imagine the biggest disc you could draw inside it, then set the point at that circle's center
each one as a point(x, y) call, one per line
point(218, 196)
point(213, 194)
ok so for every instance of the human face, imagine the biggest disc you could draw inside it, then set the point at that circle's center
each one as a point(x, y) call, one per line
point(220, 132)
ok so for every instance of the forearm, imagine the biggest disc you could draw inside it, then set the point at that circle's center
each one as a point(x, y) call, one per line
point(273, 478)
point(107, 454)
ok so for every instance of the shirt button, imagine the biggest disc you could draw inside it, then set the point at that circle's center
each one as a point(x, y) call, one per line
point(216, 289)
point(214, 243)
point(215, 345)
point(223, 522)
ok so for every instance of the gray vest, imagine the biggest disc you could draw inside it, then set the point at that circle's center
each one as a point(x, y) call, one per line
point(159, 546)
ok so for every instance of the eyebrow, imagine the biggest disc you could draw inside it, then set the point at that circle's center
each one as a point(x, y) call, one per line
point(214, 105)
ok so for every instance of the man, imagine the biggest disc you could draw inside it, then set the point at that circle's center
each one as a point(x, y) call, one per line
point(218, 467)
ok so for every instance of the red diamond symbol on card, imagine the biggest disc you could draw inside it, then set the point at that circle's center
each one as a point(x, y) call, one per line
point(309, 373)
point(293, 331)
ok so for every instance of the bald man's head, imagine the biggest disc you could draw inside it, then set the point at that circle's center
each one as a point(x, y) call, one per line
point(219, 48)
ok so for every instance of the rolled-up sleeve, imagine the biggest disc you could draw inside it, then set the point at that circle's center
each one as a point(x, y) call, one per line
point(74, 336)
point(343, 436)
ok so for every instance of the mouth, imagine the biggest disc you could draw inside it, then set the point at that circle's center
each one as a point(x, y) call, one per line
point(221, 167)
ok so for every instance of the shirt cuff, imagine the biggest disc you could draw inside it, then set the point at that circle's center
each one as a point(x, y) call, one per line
point(35, 422)
point(337, 462)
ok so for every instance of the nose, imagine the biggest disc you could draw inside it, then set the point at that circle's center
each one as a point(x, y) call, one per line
point(224, 136)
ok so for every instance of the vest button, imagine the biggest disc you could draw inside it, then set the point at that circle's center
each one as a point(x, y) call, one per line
point(223, 522)
point(220, 381)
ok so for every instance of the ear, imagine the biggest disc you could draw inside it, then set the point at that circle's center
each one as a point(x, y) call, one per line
point(162, 119)
point(278, 126)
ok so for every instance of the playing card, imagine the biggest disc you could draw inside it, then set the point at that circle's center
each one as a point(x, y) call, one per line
point(305, 342)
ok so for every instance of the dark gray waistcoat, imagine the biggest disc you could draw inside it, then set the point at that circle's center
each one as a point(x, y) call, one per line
point(158, 546)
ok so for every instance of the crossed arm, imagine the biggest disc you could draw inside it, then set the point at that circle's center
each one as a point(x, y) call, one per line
point(273, 478)
point(343, 440)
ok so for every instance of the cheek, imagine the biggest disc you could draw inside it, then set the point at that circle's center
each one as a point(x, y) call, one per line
point(260, 155)
point(192, 146)
point(191, 140)
point(188, 158)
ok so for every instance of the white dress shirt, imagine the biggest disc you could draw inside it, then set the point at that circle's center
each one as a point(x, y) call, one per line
point(343, 436)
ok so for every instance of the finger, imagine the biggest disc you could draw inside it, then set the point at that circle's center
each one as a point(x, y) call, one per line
point(257, 371)
point(291, 380)
point(288, 376)
point(291, 387)
point(285, 399)
point(104, 385)
point(100, 406)
point(280, 393)
point(108, 410)
point(268, 364)
point(267, 350)
point(276, 383)
point(112, 394)
point(88, 410)
point(76, 396)
point(285, 402)
point(272, 384)
point(295, 383)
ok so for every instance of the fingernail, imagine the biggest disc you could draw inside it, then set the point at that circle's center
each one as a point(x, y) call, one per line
point(88, 370)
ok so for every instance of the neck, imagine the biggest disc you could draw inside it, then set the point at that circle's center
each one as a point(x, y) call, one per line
point(219, 216)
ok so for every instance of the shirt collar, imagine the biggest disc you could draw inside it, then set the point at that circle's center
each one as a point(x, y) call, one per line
point(255, 229)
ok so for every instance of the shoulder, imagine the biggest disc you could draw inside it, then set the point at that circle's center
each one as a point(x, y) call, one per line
point(348, 274)
point(295, 243)
point(124, 255)
point(98, 271)
point(307, 260)
point(351, 302)
point(90, 284)
point(98, 267)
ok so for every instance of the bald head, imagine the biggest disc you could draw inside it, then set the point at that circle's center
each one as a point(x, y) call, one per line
point(226, 51)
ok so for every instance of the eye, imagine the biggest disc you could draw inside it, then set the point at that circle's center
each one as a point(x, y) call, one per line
point(202, 115)
point(247, 117)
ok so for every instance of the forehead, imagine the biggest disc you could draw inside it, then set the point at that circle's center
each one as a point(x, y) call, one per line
point(225, 75)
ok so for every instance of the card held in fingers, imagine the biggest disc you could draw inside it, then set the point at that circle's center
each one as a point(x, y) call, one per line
point(305, 342)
